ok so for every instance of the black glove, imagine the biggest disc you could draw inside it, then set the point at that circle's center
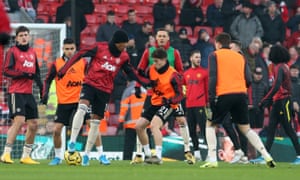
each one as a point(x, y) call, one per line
point(166, 102)
point(4, 38)
point(60, 75)
point(44, 100)
point(265, 103)
point(138, 92)
point(28, 75)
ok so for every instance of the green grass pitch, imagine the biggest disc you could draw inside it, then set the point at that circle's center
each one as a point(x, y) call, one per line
point(167, 171)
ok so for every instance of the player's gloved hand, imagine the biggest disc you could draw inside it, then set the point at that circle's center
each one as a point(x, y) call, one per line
point(138, 92)
point(166, 102)
point(4, 38)
point(60, 75)
point(265, 103)
point(213, 104)
point(44, 100)
point(28, 75)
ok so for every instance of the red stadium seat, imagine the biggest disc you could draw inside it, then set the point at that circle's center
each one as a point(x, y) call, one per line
point(92, 19)
point(102, 8)
point(218, 30)
point(130, 2)
point(207, 28)
point(143, 10)
point(111, 1)
point(87, 41)
point(193, 40)
point(121, 9)
point(151, 2)
point(94, 29)
point(43, 17)
point(42, 8)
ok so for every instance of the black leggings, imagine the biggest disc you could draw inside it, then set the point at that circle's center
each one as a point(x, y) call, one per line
point(196, 116)
point(281, 112)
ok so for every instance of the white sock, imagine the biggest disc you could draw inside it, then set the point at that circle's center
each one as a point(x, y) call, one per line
point(147, 150)
point(184, 131)
point(26, 150)
point(139, 147)
point(257, 143)
point(197, 154)
point(78, 121)
point(57, 152)
point(211, 140)
point(99, 150)
point(93, 133)
point(158, 150)
point(7, 148)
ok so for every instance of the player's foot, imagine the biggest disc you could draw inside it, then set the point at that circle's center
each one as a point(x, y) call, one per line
point(155, 160)
point(28, 160)
point(297, 161)
point(238, 154)
point(55, 161)
point(85, 160)
point(148, 160)
point(270, 163)
point(197, 155)
point(189, 158)
point(138, 159)
point(209, 165)
point(259, 160)
point(243, 160)
point(71, 147)
point(5, 158)
point(103, 160)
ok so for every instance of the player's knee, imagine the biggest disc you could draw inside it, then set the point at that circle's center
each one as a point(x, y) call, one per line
point(32, 125)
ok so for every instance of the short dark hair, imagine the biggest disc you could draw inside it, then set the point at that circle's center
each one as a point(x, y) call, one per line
point(130, 11)
point(159, 53)
point(294, 66)
point(162, 29)
point(146, 23)
point(22, 29)
point(68, 41)
point(237, 42)
point(194, 52)
point(279, 54)
point(224, 39)
point(110, 13)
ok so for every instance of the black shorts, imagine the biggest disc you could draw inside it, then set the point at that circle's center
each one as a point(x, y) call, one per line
point(163, 112)
point(65, 113)
point(97, 98)
point(236, 104)
point(22, 105)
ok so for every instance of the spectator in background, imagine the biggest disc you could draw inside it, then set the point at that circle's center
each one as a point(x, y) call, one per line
point(294, 21)
point(295, 70)
point(214, 14)
point(132, 51)
point(64, 12)
point(260, 7)
point(256, 92)
point(294, 39)
point(273, 25)
point(250, 54)
point(205, 46)
point(191, 14)
point(246, 26)
point(230, 10)
point(184, 47)
point(142, 38)
point(262, 61)
point(294, 55)
point(106, 30)
point(170, 27)
point(163, 11)
point(130, 26)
